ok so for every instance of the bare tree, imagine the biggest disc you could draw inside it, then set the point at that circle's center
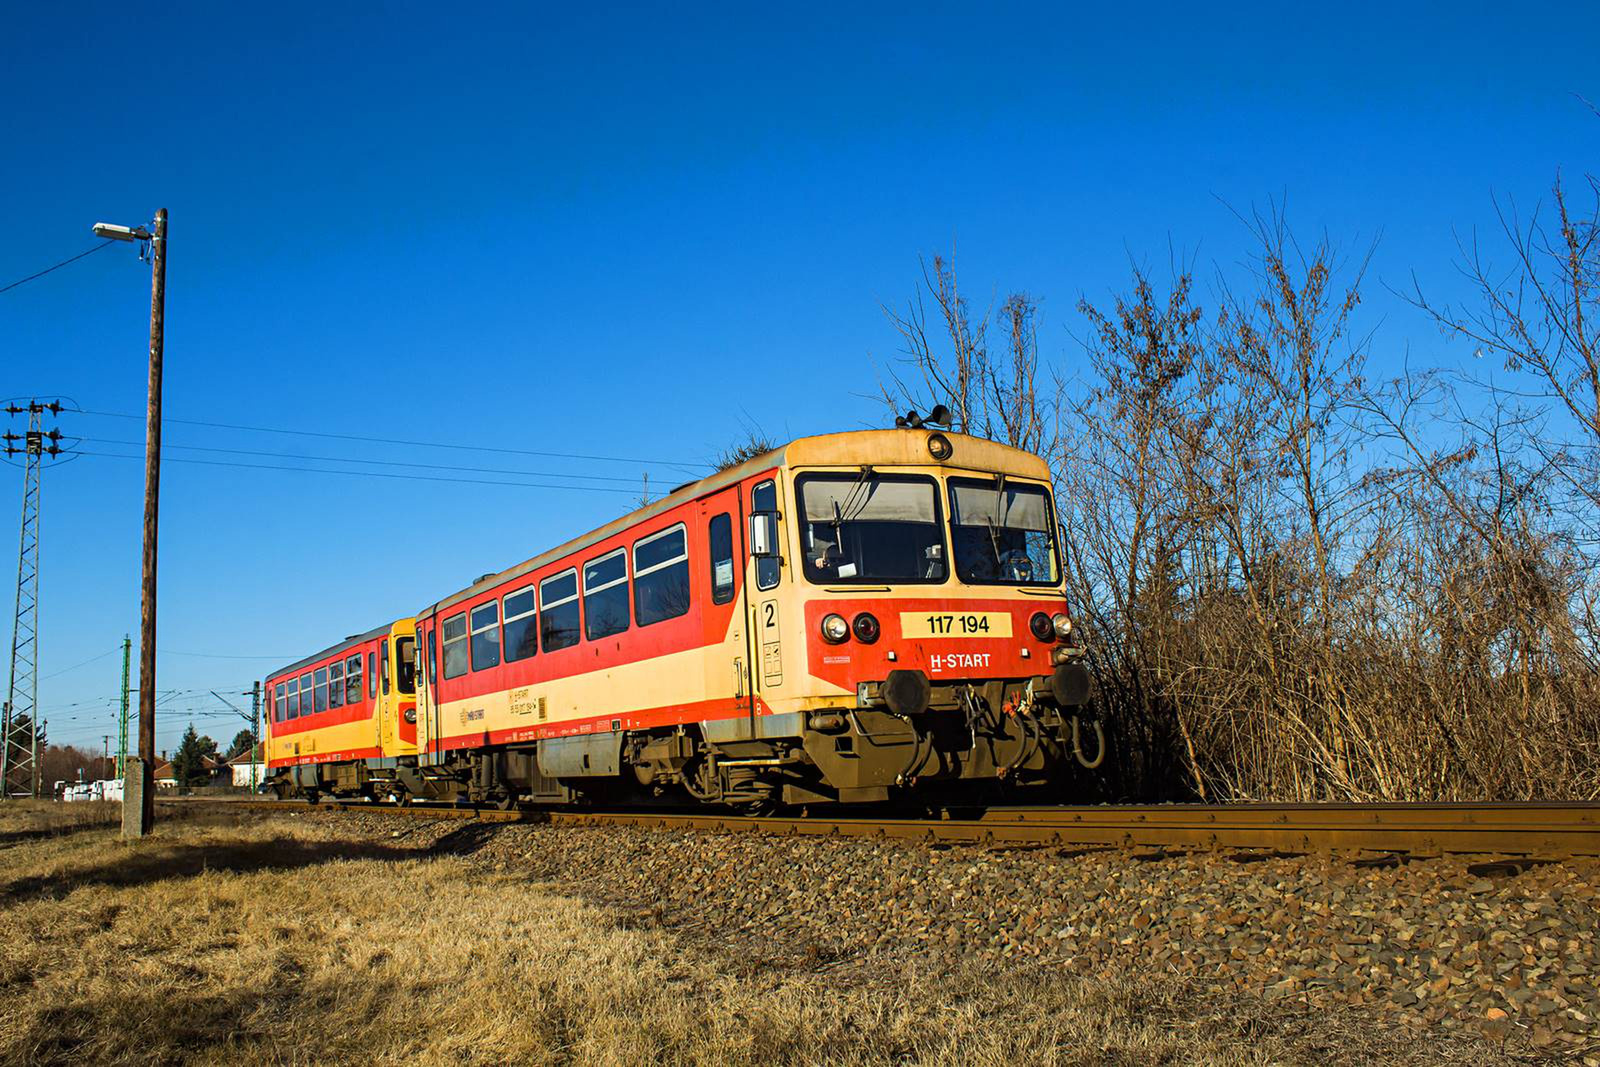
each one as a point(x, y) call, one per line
point(951, 362)
point(1301, 584)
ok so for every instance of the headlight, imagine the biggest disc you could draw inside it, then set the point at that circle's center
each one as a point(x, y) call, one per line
point(834, 629)
point(939, 447)
point(866, 628)
point(411, 715)
point(1041, 626)
point(1062, 624)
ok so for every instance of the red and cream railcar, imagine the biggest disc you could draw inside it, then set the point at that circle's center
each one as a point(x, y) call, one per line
point(852, 617)
point(341, 721)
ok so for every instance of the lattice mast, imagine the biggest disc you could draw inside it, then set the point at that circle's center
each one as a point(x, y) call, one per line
point(19, 725)
point(122, 720)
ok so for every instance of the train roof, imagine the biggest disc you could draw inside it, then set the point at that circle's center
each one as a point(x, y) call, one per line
point(889, 448)
point(357, 639)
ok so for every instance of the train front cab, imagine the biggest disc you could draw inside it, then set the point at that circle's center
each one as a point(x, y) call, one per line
point(908, 622)
point(397, 694)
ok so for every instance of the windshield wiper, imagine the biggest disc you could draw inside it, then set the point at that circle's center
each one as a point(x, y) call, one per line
point(850, 505)
point(994, 526)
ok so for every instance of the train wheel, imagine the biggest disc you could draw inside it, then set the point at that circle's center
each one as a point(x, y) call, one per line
point(764, 808)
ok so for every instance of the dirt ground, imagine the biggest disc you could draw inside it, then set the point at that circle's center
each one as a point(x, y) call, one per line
point(232, 937)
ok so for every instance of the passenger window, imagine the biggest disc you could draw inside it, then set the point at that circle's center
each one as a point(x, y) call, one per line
point(605, 595)
point(455, 646)
point(320, 695)
point(305, 694)
point(522, 634)
point(282, 708)
point(372, 675)
point(352, 680)
point(721, 536)
point(558, 611)
point(336, 685)
point(294, 698)
point(486, 636)
point(661, 576)
point(383, 666)
point(764, 500)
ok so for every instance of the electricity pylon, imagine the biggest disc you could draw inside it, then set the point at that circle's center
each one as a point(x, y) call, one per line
point(19, 726)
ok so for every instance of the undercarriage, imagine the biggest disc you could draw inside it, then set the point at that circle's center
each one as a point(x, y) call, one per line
point(1013, 734)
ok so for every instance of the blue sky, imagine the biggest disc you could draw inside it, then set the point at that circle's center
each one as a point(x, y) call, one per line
point(637, 232)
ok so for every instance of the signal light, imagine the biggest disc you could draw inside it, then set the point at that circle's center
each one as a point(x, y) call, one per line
point(1041, 626)
point(866, 628)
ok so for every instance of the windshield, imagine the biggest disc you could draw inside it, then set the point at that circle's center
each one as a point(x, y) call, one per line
point(1003, 534)
point(870, 528)
point(406, 662)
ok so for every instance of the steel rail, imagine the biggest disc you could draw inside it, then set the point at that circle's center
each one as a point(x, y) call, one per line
point(1554, 830)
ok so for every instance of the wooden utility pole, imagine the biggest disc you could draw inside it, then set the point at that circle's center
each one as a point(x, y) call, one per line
point(145, 765)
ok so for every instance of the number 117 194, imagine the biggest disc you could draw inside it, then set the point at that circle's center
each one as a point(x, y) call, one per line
point(968, 624)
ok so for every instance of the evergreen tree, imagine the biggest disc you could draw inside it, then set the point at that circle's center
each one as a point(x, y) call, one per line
point(240, 745)
point(188, 766)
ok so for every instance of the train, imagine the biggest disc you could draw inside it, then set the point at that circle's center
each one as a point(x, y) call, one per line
point(855, 618)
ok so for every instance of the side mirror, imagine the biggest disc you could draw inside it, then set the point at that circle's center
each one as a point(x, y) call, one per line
point(764, 534)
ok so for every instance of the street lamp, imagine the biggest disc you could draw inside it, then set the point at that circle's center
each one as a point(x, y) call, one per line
point(139, 786)
point(121, 233)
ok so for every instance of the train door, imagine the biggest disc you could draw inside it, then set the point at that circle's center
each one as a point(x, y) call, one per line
point(762, 608)
point(728, 667)
point(427, 691)
point(385, 708)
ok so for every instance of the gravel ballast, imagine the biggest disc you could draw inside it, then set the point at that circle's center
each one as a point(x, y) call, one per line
point(1487, 961)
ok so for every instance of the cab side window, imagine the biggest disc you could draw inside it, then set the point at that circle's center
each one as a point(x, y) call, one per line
point(764, 500)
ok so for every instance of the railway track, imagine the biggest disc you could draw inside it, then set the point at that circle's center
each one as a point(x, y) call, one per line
point(1533, 830)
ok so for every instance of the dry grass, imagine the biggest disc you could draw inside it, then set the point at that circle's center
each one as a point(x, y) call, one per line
point(227, 940)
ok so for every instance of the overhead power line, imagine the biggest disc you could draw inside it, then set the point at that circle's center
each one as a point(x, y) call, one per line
point(85, 663)
point(58, 266)
point(366, 474)
point(215, 655)
point(373, 462)
point(407, 443)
